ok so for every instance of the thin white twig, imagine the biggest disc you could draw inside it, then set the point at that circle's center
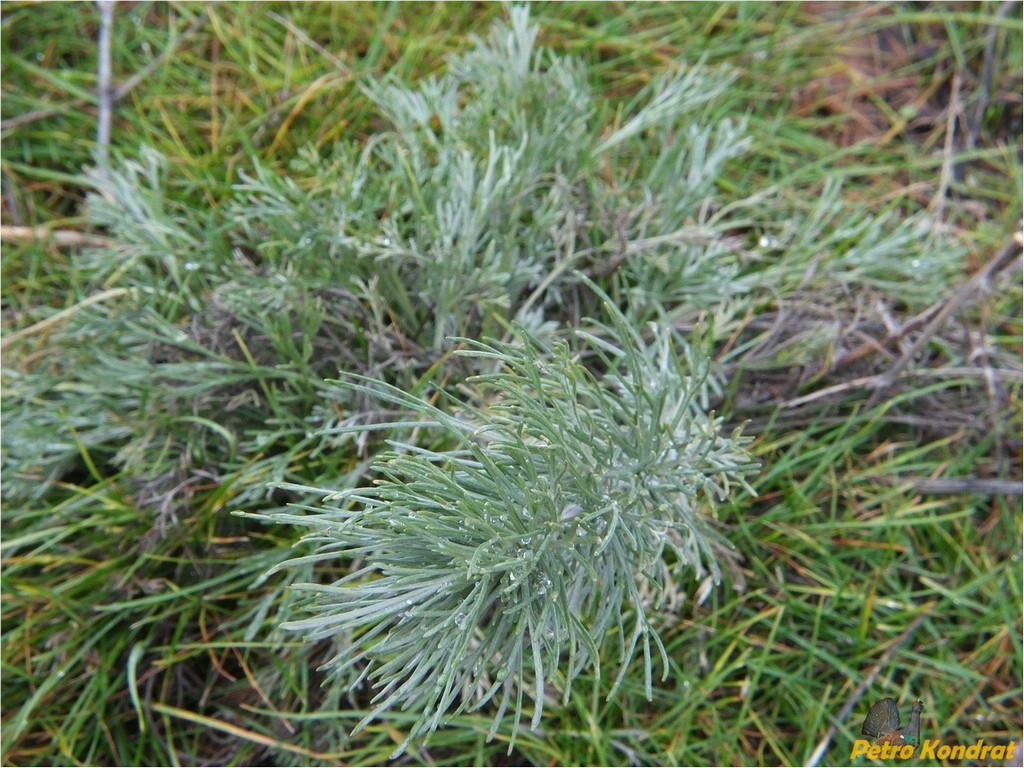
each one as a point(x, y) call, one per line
point(105, 94)
point(953, 111)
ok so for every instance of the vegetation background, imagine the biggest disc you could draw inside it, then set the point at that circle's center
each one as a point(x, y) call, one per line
point(144, 402)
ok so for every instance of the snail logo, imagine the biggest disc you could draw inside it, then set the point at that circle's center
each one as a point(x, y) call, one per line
point(883, 724)
point(891, 741)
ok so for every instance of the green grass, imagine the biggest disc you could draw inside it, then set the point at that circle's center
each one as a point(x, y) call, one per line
point(146, 402)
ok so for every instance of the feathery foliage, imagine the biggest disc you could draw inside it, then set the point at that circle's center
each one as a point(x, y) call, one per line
point(499, 566)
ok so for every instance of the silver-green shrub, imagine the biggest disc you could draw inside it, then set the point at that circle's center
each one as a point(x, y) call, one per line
point(529, 545)
point(522, 527)
point(490, 183)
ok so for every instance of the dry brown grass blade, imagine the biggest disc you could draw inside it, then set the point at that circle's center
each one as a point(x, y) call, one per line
point(64, 314)
point(62, 238)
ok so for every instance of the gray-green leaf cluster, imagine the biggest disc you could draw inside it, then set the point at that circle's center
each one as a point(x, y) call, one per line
point(488, 185)
point(499, 566)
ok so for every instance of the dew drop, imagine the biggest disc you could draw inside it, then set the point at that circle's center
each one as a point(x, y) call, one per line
point(460, 621)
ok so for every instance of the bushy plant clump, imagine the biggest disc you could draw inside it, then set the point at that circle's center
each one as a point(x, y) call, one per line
point(501, 565)
point(489, 184)
point(571, 482)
